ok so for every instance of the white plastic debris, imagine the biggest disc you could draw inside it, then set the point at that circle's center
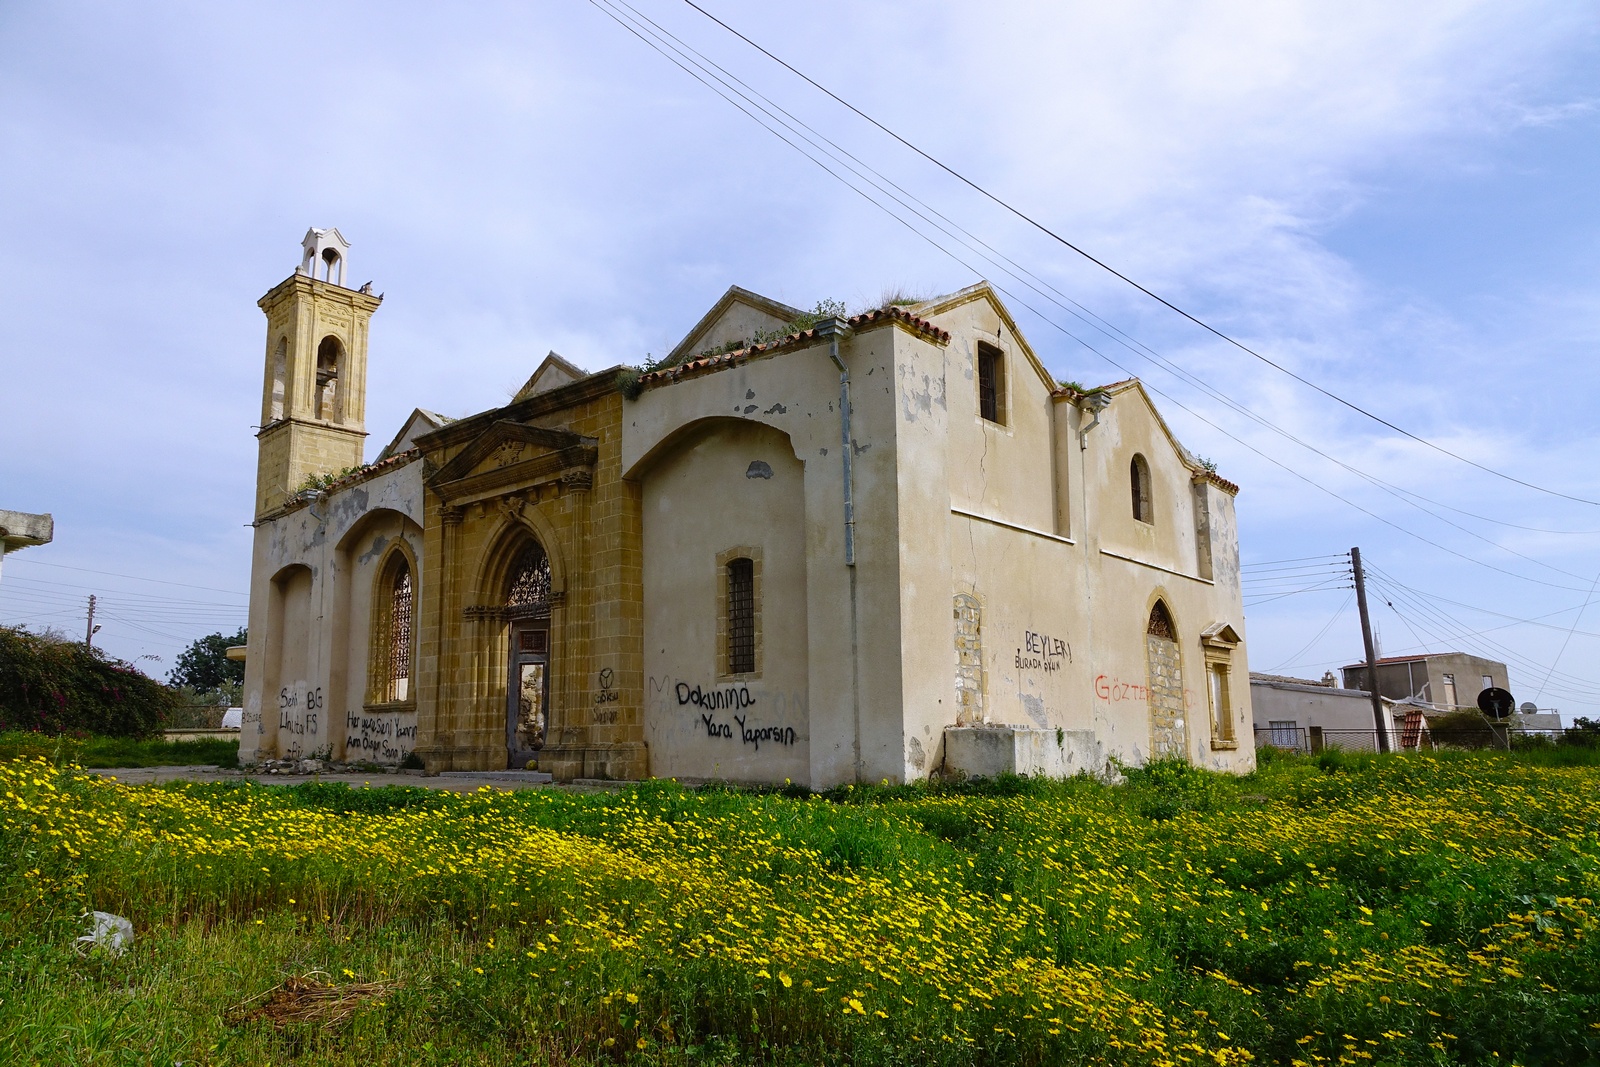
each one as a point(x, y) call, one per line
point(110, 932)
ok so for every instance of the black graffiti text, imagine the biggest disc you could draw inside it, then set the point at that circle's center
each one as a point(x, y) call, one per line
point(1042, 652)
point(727, 698)
point(754, 735)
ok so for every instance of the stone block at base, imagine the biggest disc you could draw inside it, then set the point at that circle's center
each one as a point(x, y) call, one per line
point(990, 751)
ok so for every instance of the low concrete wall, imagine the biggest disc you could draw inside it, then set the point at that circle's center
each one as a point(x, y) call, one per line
point(990, 751)
point(201, 735)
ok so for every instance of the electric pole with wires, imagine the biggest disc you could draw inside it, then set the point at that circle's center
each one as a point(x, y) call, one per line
point(1372, 654)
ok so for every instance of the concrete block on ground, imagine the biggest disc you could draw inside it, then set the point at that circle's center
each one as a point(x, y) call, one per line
point(991, 750)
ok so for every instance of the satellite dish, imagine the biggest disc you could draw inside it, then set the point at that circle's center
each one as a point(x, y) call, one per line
point(1496, 702)
point(1529, 708)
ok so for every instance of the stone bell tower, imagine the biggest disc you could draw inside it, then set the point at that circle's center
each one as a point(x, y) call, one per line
point(314, 401)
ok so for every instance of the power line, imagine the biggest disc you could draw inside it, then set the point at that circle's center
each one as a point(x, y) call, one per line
point(1125, 278)
point(1578, 688)
point(744, 102)
point(1516, 620)
point(135, 577)
point(1303, 559)
point(1568, 639)
point(1337, 612)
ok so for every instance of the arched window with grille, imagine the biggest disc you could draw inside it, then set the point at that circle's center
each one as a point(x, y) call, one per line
point(528, 591)
point(393, 614)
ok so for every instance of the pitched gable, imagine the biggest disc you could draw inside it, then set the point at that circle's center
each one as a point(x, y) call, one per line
point(736, 317)
point(553, 373)
point(933, 309)
point(419, 422)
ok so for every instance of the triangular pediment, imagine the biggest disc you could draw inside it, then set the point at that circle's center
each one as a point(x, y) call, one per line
point(1220, 635)
point(510, 448)
point(738, 316)
point(553, 373)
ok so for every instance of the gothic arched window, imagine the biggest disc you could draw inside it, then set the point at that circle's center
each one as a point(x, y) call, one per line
point(528, 591)
point(1161, 623)
point(393, 610)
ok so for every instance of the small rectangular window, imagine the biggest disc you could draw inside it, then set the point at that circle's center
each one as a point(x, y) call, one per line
point(741, 616)
point(1488, 682)
point(1285, 733)
point(991, 384)
point(1450, 690)
point(1221, 704)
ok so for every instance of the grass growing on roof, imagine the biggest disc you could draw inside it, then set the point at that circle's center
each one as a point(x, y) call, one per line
point(1359, 910)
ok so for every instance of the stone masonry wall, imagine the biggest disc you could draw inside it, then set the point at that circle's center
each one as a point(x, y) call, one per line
point(1168, 731)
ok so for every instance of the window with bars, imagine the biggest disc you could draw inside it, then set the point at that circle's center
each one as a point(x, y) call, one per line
point(991, 384)
point(741, 616)
point(400, 636)
point(393, 611)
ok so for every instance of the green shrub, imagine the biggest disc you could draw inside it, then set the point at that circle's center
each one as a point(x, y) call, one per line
point(55, 686)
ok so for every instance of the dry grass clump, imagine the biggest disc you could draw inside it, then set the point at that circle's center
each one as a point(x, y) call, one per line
point(303, 999)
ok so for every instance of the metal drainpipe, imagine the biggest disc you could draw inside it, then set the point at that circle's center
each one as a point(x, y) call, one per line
point(833, 329)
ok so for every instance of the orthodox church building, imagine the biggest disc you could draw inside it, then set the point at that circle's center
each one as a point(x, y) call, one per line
point(821, 550)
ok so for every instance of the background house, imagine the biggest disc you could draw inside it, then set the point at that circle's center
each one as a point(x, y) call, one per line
point(1446, 681)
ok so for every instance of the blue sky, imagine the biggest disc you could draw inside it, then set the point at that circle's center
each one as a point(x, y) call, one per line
point(1397, 201)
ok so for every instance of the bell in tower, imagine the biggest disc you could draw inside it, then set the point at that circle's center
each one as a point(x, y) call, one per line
point(313, 410)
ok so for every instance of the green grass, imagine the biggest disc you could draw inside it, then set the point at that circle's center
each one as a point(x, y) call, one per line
point(1346, 908)
point(96, 751)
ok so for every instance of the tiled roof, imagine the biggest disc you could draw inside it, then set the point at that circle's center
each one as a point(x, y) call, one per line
point(1222, 483)
point(691, 368)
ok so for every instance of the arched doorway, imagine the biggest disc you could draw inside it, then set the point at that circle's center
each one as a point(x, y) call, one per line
point(1169, 735)
point(527, 609)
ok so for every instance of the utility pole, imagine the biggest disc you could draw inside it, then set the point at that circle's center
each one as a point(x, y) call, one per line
point(88, 633)
point(1372, 655)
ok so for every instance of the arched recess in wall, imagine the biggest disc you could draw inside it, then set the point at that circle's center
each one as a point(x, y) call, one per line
point(366, 562)
point(280, 376)
point(1169, 734)
point(723, 566)
point(289, 660)
point(684, 436)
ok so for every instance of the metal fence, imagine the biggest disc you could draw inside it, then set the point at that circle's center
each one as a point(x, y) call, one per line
point(195, 716)
point(1315, 739)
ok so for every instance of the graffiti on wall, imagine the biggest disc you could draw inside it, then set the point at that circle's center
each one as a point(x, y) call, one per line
point(383, 738)
point(299, 720)
point(605, 697)
point(724, 698)
point(722, 711)
point(748, 735)
point(1115, 691)
point(1042, 652)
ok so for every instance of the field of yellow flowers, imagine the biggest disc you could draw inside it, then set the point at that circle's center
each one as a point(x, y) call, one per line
point(1384, 910)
